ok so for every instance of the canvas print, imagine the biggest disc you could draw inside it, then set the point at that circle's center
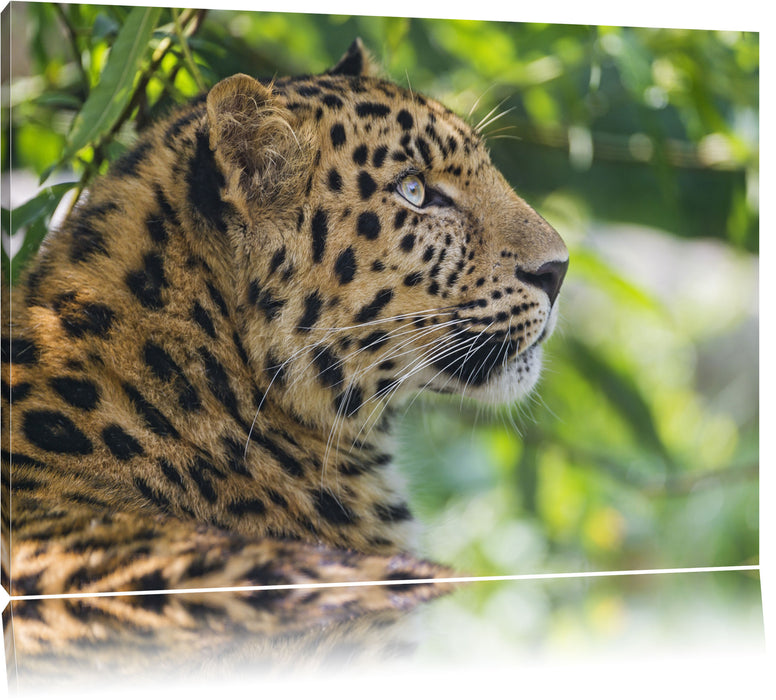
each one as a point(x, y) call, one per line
point(303, 299)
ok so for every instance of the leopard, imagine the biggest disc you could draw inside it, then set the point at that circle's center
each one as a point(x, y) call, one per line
point(202, 367)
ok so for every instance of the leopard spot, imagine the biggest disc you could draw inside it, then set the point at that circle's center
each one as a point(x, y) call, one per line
point(150, 494)
point(250, 506)
point(366, 185)
point(378, 157)
point(338, 136)
point(368, 225)
point(202, 319)
point(154, 419)
point(312, 311)
point(171, 474)
point(320, 231)
point(371, 310)
point(78, 392)
point(407, 242)
point(360, 154)
point(329, 367)
point(374, 341)
point(156, 229)
point(218, 383)
point(55, 432)
point(81, 317)
point(15, 392)
point(218, 299)
point(19, 351)
point(121, 444)
point(148, 282)
point(277, 498)
point(332, 510)
point(372, 109)
point(393, 512)
point(86, 242)
point(235, 454)
point(127, 165)
point(205, 182)
point(335, 180)
point(349, 401)
point(405, 120)
point(332, 101)
point(345, 265)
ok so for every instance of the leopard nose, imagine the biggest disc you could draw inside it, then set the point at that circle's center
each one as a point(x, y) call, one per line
point(549, 277)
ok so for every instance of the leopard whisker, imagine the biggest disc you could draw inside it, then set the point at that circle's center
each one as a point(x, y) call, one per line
point(323, 347)
point(478, 100)
point(494, 136)
point(431, 345)
point(425, 360)
point(489, 118)
point(393, 334)
point(392, 353)
point(482, 364)
point(493, 119)
point(428, 382)
point(472, 343)
point(507, 127)
point(358, 374)
point(426, 313)
point(278, 372)
point(475, 371)
point(452, 345)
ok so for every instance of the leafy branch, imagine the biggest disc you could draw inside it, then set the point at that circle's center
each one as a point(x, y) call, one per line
point(122, 89)
point(72, 37)
point(107, 109)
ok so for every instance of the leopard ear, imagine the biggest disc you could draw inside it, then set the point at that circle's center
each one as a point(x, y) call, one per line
point(356, 61)
point(255, 142)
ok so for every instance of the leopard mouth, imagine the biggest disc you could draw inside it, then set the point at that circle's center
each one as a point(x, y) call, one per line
point(474, 357)
point(498, 366)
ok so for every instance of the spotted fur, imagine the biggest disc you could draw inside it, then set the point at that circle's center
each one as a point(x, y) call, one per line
point(203, 360)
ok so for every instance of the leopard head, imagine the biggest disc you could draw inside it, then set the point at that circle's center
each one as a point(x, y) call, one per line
point(378, 250)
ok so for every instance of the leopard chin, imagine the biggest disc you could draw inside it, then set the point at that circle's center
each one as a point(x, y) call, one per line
point(517, 376)
point(514, 382)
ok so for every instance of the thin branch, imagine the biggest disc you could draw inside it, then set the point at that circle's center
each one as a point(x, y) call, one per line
point(190, 21)
point(189, 59)
point(73, 39)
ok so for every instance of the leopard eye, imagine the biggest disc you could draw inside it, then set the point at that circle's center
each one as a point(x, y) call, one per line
point(411, 187)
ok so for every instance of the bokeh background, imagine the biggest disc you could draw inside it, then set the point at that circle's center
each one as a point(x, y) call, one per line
point(640, 447)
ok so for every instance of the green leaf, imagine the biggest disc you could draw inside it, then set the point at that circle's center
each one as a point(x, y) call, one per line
point(44, 203)
point(57, 100)
point(111, 95)
point(35, 216)
point(37, 145)
point(590, 266)
point(622, 393)
point(634, 63)
point(104, 27)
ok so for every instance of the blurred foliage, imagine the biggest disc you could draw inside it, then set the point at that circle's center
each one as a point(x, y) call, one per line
point(528, 622)
point(641, 447)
